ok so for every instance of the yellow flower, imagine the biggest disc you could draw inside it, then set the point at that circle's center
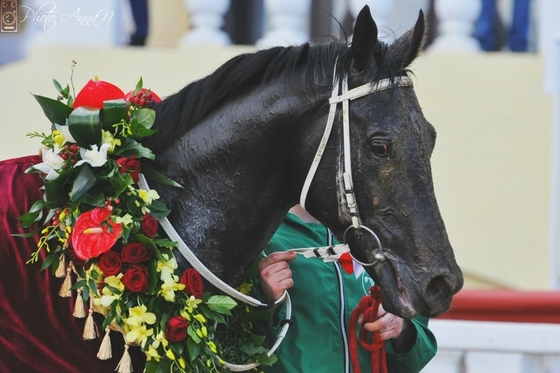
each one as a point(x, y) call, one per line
point(115, 282)
point(160, 339)
point(245, 287)
point(139, 334)
point(58, 138)
point(185, 314)
point(167, 267)
point(148, 196)
point(152, 353)
point(200, 317)
point(108, 296)
point(170, 355)
point(107, 138)
point(125, 220)
point(139, 316)
point(168, 288)
point(192, 303)
point(212, 346)
point(182, 362)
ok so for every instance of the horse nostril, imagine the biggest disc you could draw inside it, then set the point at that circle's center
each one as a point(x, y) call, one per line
point(438, 288)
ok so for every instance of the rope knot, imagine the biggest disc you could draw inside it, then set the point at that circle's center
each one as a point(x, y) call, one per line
point(372, 342)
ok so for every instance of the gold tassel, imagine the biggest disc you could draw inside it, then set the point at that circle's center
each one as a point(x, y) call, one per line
point(89, 328)
point(60, 271)
point(105, 352)
point(66, 285)
point(79, 307)
point(125, 365)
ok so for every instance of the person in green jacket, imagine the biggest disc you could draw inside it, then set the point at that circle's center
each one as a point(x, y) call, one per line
point(323, 296)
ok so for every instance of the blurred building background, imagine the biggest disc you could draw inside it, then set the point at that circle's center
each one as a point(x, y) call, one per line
point(488, 81)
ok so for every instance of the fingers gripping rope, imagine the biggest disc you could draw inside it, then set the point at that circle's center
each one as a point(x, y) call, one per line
point(369, 306)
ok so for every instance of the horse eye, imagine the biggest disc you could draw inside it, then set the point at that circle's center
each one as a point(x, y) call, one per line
point(380, 149)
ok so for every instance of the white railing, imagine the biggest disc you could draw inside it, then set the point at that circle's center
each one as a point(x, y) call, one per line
point(495, 347)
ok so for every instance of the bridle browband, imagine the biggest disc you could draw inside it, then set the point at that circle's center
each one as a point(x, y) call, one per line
point(331, 251)
point(345, 97)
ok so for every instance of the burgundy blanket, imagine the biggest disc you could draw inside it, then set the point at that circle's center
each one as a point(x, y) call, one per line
point(38, 333)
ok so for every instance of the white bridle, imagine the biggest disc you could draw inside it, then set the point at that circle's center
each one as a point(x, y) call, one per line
point(344, 97)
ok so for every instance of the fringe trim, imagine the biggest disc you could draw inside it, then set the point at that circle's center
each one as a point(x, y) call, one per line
point(79, 307)
point(66, 284)
point(105, 350)
point(60, 271)
point(89, 329)
point(125, 365)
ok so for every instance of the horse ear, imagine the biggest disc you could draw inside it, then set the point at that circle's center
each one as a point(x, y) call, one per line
point(364, 39)
point(407, 47)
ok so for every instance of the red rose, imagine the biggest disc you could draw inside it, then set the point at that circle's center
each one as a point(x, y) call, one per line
point(92, 236)
point(149, 225)
point(136, 279)
point(176, 330)
point(110, 263)
point(134, 253)
point(193, 282)
point(95, 92)
point(129, 165)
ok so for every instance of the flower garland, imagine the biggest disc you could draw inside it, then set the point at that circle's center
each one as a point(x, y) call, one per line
point(102, 229)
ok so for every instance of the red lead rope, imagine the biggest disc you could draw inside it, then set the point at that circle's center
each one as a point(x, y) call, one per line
point(369, 305)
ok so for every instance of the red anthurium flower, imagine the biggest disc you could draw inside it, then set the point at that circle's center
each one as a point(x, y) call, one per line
point(94, 233)
point(95, 92)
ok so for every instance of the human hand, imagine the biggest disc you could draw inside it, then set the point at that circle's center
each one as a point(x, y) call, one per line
point(388, 326)
point(275, 274)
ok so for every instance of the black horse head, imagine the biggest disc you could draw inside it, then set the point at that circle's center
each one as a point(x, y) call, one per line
point(241, 141)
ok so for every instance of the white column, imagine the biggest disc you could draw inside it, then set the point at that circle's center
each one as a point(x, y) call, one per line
point(381, 11)
point(288, 22)
point(456, 25)
point(206, 19)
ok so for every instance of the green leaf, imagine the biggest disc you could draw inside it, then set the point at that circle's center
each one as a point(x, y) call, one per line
point(56, 191)
point(210, 314)
point(139, 86)
point(114, 111)
point(120, 181)
point(191, 332)
point(159, 210)
point(145, 117)
point(47, 262)
point(193, 348)
point(221, 303)
point(57, 86)
point(84, 180)
point(94, 197)
point(153, 174)
point(84, 124)
point(55, 111)
point(131, 147)
point(151, 366)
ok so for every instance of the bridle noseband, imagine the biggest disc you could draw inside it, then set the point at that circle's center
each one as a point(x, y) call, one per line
point(345, 97)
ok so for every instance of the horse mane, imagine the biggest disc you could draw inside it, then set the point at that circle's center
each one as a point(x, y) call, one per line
point(182, 110)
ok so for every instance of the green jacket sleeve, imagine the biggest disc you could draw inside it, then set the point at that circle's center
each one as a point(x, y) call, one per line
point(421, 353)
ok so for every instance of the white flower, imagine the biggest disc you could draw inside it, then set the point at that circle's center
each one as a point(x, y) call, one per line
point(95, 157)
point(65, 132)
point(51, 162)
